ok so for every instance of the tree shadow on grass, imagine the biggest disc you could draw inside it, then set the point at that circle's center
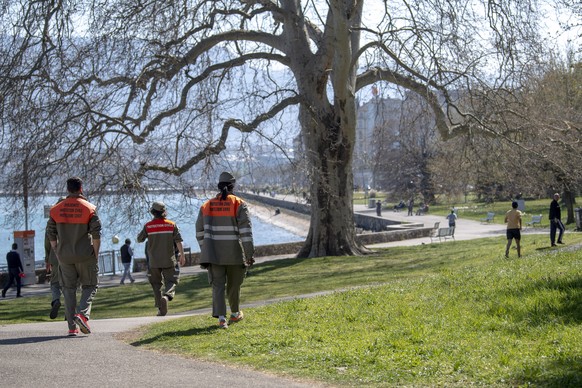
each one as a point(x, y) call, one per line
point(565, 373)
point(567, 309)
point(559, 371)
point(265, 267)
point(196, 331)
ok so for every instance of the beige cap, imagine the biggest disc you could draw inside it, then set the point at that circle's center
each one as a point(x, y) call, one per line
point(159, 206)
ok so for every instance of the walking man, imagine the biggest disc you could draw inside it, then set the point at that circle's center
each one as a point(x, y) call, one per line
point(556, 220)
point(224, 232)
point(162, 235)
point(52, 269)
point(513, 221)
point(452, 217)
point(14, 270)
point(74, 232)
point(126, 255)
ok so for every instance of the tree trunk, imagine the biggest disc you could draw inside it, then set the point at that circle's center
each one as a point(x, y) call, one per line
point(329, 129)
point(426, 182)
point(329, 152)
point(569, 197)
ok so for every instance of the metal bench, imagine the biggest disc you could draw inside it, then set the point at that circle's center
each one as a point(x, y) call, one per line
point(435, 231)
point(443, 233)
point(535, 220)
point(489, 218)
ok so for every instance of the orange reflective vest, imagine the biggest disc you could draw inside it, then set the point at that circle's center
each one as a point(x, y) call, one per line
point(73, 223)
point(161, 234)
point(224, 231)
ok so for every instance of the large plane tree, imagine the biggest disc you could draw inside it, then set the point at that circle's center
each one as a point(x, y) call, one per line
point(126, 90)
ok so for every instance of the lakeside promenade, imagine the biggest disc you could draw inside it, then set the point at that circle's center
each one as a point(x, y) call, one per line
point(39, 354)
point(299, 225)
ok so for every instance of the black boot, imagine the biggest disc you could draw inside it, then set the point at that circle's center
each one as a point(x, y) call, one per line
point(55, 305)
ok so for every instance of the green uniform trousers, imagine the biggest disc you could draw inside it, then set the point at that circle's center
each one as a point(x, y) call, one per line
point(160, 277)
point(227, 278)
point(56, 289)
point(84, 274)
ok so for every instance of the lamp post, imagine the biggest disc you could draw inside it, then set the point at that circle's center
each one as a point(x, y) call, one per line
point(25, 191)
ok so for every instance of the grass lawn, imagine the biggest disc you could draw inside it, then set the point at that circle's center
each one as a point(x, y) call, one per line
point(478, 210)
point(449, 314)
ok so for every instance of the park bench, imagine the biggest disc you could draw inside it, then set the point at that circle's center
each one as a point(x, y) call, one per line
point(442, 233)
point(435, 231)
point(535, 220)
point(489, 218)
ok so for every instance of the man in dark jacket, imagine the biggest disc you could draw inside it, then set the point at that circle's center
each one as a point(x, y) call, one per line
point(556, 221)
point(14, 271)
point(126, 255)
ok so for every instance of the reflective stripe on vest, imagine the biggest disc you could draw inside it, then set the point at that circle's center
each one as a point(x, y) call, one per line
point(219, 216)
point(160, 226)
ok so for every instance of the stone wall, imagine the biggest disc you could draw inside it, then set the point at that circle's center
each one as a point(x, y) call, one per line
point(294, 206)
point(373, 223)
point(379, 230)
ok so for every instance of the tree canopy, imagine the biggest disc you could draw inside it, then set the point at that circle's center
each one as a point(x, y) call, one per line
point(122, 91)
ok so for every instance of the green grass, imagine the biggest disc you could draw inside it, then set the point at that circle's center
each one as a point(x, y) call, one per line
point(448, 314)
point(475, 211)
point(453, 314)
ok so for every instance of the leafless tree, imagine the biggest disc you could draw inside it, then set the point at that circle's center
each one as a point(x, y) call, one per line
point(553, 116)
point(161, 87)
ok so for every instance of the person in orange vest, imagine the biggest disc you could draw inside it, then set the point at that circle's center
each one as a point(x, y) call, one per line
point(224, 232)
point(74, 232)
point(162, 235)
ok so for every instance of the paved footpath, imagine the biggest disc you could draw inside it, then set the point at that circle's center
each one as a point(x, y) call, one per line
point(39, 354)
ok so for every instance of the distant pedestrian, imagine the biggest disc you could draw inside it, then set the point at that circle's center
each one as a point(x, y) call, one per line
point(452, 217)
point(126, 256)
point(74, 232)
point(162, 235)
point(513, 221)
point(410, 207)
point(224, 232)
point(379, 208)
point(52, 270)
point(556, 220)
point(15, 271)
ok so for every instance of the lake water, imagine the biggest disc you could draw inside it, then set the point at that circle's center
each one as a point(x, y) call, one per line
point(115, 224)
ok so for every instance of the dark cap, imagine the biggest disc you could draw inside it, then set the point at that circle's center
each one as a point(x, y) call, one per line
point(158, 206)
point(226, 177)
